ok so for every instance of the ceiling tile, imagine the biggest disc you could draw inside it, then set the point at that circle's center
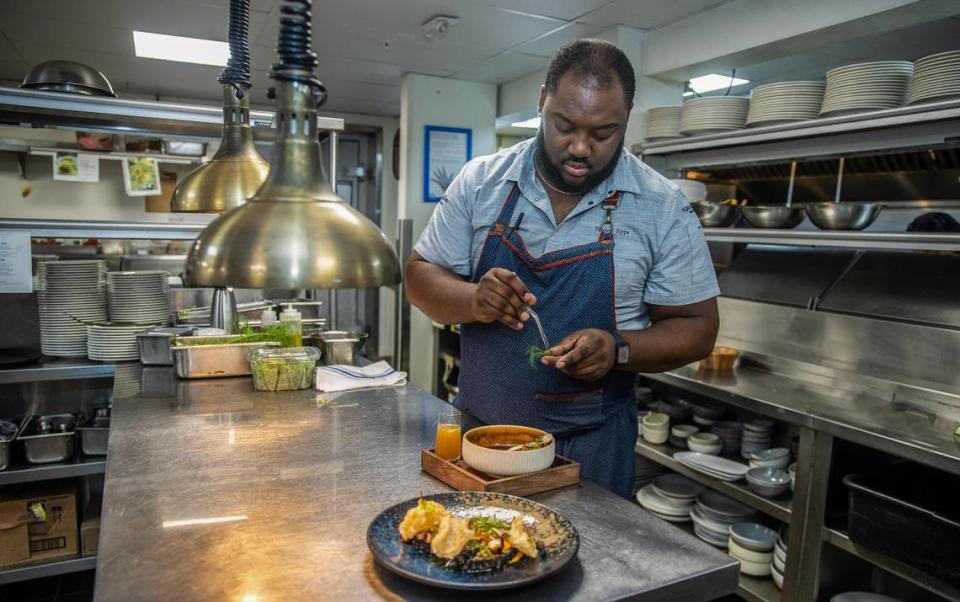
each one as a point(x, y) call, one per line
point(906, 44)
point(13, 71)
point(66, 34)
point(645, 14)
point(503, 68)
point(548, 45)
point(560, 9)
point(7, 51)
point(809, 65)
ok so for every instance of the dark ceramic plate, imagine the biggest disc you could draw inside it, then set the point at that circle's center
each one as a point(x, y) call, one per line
point(554, 531)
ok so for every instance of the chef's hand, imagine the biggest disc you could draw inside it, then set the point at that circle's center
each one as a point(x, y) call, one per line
point(586, 354)
point(502, 297)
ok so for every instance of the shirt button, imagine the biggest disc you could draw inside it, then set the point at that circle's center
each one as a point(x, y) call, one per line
point(553, 239)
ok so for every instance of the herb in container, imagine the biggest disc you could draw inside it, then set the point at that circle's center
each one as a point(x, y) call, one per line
point(283, 369)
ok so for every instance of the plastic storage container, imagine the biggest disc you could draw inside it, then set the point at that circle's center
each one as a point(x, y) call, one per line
point(286, 369)
point(910, 513)
point(293, 321)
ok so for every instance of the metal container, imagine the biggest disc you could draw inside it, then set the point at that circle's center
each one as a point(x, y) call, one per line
point(43, 447)
point(715, 215)
point(8, 434)
point(843, 216)
point(213, 360)
point(155, 344)
point(68, 76)
point(341, 347)
point(773, 216)
point(94, 436)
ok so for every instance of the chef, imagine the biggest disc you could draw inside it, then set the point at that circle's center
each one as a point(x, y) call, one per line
point(608, 253)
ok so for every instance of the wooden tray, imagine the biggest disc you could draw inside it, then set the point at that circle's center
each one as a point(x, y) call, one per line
point(462, 477)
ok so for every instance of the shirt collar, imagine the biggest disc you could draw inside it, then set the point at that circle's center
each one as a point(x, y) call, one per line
point(521, 170)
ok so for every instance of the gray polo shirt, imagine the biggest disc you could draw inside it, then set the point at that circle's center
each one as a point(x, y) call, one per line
point(660, 257)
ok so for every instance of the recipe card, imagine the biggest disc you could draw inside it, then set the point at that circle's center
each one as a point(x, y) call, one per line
point(16, 274)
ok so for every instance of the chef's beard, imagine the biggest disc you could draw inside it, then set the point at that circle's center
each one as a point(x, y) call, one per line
point(554, 176)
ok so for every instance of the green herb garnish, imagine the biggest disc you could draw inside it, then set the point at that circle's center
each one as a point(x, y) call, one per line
point(534, 355)
point(277, 333)
point(486, 524)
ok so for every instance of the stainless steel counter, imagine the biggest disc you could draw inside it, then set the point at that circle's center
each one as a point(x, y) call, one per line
point(215, 492)
point(919, 425)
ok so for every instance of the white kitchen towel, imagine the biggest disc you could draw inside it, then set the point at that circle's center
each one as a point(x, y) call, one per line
point(348, 378)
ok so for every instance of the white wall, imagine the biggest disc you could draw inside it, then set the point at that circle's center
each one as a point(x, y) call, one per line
point(427, 100)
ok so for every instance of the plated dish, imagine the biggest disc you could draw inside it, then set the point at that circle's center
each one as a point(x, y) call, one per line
point(472, 540)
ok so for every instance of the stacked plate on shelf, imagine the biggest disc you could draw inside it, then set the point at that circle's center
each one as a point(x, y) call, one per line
point(713, 114)
point(756, 436)
point(936, 77)
point(752, 544)
point(663, 122)
point(715, 466)
point(138, 297)
point(69, 293)
point(113, 342)
point(730, 432)
point(126, 381)
point(779, 564)
point(670, 497)
point(713, 514)
point(785, 101)
point(694, 190)
point(866, 87)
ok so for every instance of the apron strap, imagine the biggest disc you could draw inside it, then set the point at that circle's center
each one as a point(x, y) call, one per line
point(506, 212)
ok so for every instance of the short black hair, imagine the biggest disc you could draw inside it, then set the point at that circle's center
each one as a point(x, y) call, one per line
point(597, 59)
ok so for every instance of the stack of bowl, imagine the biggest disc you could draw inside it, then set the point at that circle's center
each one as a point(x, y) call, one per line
point(752, 544)
point(655, 428)
point(756, 436)
point(679, 434)
point(705, 443)
point(714, 513)
point(792, 471)
point(779, 564)
point(767, 481)
point(676, 408)
point(730, 432)
point(705, 415)
point(777, 457)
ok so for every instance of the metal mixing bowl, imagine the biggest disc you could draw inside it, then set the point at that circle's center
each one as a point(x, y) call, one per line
point(843, 216)
point(68, 76)
point(714, 215)
point(773, 216)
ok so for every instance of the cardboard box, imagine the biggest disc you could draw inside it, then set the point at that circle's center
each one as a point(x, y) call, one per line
point(161, 203)
point(56, 537)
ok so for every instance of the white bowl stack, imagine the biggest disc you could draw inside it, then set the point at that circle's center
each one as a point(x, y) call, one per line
point(714, 513)
point(866, 87)
point(753, 545)
point(779, 564)
point(936, 77)
point(694, 190)
point(663, 123)
point(756, 436)
point(138, 297)
point(713, 114)
point(784, 102)
point(69, 293)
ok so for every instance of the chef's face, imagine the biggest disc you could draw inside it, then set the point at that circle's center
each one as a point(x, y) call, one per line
point(581, 132)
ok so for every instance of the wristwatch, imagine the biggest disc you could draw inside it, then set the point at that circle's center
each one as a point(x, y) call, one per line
point(622, 348)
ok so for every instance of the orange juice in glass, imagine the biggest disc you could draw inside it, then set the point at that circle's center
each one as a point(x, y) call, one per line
point(448, 435)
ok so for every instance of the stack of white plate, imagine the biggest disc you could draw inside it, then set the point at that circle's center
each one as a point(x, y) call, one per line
point(669, 509)
point(936, 76)
point(756, 436)
point(663, 122)
point(694, 190)
point(112, 342)
point(138, 297)
point(779, 564)
point(714, 513)
point(715, 466)
point(126, 381)
point(866, 87)
point(69, 293)
point(713, 114)
point(785, 101)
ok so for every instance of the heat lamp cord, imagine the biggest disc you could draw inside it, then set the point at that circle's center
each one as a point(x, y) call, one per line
point(237, 71)
point(296, 58)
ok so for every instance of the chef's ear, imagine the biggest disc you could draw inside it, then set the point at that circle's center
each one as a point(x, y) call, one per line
point(543, 98)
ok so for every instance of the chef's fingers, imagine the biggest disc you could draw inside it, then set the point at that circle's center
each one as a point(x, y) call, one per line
point(517, 306)
point(563, 346)
point(581, 350)
point(504, 311)
point(513, 281)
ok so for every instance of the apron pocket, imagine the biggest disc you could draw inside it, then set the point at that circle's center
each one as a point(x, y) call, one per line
point(568, 413)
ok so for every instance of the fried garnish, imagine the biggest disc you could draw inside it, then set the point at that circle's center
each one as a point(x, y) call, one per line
point(425, 516)
point(521, 539)
point(451, 537)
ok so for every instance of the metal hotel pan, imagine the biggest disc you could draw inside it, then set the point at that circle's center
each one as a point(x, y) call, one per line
point(215, 360)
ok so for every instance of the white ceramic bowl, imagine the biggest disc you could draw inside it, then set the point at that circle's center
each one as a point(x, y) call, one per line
point(502, 463)
point(683, 430)
point(713, 450)
point(754, 569)
point(657, 420)
point(655, 436)
point(742, 553)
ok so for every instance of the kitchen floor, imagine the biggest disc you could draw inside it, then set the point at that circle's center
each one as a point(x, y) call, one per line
point(77, 587)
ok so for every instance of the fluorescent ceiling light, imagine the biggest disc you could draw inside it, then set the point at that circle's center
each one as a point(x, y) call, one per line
point(687, 93)
point(532, 123)
point(167, 524)
point(177, 48)
point(714, 81)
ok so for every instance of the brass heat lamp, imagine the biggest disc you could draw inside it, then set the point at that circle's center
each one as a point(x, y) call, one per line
point(237, 170)
point(295, 233)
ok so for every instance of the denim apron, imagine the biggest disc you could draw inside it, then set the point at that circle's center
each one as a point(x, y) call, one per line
point(595, 423)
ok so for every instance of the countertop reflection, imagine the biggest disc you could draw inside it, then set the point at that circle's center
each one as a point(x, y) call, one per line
point(216, 492)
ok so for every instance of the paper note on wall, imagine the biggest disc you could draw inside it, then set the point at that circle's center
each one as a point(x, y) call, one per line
point(15, 269)
point(76, 167)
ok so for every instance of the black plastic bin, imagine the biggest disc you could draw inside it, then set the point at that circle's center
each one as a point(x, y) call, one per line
point(911, 513)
